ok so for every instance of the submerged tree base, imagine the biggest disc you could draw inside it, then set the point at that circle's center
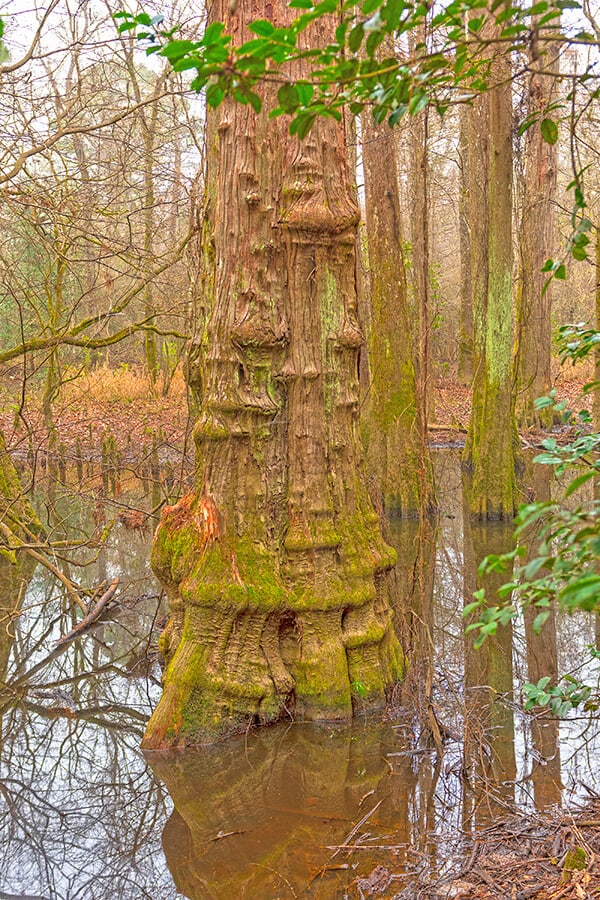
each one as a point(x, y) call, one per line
point(242, 647)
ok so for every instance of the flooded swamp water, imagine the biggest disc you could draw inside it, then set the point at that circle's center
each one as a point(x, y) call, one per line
point(295, 810)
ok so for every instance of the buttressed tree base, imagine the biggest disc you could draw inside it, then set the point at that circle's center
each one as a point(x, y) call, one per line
point(275, 567)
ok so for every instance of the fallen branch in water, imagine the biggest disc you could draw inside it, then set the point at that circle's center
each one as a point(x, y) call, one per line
point(93, 614)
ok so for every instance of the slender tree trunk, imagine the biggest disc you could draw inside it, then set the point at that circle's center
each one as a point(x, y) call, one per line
point(537, 245)
point(55, 297)
point(398, 462)
point(362, 276)
point(149, 129)
point(490, 451)
point(275, 566)
point(465, 339)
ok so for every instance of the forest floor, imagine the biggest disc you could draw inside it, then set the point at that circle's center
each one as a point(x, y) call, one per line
point(549, 856)
point(119, 406)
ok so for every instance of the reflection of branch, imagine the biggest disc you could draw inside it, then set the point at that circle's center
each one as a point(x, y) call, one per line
point(95, 715)
point(93, 614)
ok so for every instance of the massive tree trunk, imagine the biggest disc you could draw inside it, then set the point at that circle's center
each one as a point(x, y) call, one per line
point(537, 245)
point(397, 451)
point(275, 566)
point(490, 451)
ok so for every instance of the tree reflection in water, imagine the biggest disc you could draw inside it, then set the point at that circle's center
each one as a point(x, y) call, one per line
point(269, 815)
point(80, 813)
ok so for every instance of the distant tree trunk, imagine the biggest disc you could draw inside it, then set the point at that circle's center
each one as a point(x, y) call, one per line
point(149, 129)
point(275, 566)
point(537, 245)
point(55, 286)
point(490, 451)
point(397, 451)
point(465, 339)
point(362, 286)
point(420, 238)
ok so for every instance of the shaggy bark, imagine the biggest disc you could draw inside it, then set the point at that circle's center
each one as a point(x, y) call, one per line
point(275, 566)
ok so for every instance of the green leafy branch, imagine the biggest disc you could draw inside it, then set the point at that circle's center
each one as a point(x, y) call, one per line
point(351, 70)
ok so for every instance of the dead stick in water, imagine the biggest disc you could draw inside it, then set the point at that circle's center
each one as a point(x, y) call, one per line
point(357, 826)
point(92, 615)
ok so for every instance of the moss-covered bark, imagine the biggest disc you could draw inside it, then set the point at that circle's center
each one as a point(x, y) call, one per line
point(465, 337)
point(275, 566)
point(398, 458)
point(537, 244)
point(491, 443)
point(18, 519)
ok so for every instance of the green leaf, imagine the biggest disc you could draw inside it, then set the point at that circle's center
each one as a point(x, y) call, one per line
point(175, 50)
point(214, 95)
point(373, 41)
point(355, 37)
point(417, 103)
point(262, 27)
point(470, 608)
point(254, 101)
point(288, 97)
point(198, 83)
point(340, 32)
point(398, 114)
point(539, 620)
point(475, 24)
point(305, 93)
point(302, 124)
point(578, 253)
point(549, 130)
point(577, 482)
point(583, 592)
point(212, 33)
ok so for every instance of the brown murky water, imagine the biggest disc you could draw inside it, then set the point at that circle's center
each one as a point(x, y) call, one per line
point(291, 811)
